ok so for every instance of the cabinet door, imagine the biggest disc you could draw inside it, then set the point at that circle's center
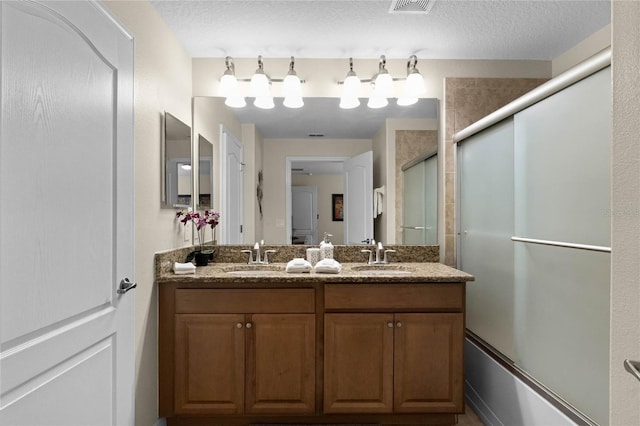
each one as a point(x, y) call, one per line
point(428, 363)
point(209, 364)
point(281, 363)
point(358, 363)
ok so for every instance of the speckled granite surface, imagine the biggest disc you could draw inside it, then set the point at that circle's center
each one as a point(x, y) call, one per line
point(230, 267)
point(284, 253)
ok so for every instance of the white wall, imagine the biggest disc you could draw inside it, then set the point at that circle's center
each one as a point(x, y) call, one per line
point(162, 83)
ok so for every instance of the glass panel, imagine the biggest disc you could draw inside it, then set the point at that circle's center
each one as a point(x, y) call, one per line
point(485, 176)
point(420, 208)
point(562, 183)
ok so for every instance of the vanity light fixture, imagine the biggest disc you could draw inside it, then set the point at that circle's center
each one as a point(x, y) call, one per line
point(383, 82)
point(292, 88)
point(350, 89)
point(229, 87)
point(382, 86)
point(261, 88)
point(414, 84)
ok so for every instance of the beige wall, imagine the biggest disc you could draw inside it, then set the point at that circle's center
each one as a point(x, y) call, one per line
point(162, 83)
point(274, 156)
point(625, 214)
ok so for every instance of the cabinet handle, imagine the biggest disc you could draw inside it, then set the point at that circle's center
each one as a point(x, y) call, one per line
point(249, 325)
point(399, 324)
point(239, 325)
point(390, 324)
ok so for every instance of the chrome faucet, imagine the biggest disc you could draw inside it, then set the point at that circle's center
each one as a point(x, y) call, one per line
point(258, 258)
point(380, 254)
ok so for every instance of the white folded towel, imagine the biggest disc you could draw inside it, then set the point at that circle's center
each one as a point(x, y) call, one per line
point(298, 265)
point(184, 268)
point(328, 266)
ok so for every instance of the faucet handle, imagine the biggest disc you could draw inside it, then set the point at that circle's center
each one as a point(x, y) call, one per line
point(266, 254)
point(250, 256)
point(385, 260)
point(370, 254)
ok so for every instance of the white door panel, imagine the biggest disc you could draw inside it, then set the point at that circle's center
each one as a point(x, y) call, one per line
point(358, 198)
point(66, 209)
point(305, 213)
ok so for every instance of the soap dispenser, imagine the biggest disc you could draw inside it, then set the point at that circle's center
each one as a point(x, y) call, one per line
point(326, 248)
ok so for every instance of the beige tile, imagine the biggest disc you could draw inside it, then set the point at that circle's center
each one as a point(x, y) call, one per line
point(449, 218)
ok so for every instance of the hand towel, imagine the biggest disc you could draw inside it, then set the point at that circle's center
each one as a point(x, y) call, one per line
point(298, 265)
point(184, 268)
point(378, 194)
point(328, 266)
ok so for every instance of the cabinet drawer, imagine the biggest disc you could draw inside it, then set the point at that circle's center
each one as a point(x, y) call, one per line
point(241, 301)
point(394, 297)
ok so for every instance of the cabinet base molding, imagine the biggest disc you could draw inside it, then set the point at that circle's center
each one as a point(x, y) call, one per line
point(355, 419)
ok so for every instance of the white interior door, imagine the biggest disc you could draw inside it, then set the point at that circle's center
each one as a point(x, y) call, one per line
point(231, 221)
point(66, 216)
point(358, 198)
point(305, 213)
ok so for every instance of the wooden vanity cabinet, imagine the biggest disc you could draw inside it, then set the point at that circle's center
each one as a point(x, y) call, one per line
point(244, 351)
point(394, 348)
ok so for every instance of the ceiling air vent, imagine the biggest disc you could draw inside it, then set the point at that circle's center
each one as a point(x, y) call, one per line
point(411, 6)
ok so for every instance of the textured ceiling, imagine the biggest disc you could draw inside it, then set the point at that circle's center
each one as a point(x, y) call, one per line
point(453, 29)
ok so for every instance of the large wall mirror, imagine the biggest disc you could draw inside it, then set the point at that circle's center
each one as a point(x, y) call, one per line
point(177, 169)
point(296, 155)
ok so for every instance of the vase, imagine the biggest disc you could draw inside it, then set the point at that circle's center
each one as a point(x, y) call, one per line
point(202, 257)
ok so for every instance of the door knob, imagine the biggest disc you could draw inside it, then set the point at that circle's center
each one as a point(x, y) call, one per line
point(125, 286)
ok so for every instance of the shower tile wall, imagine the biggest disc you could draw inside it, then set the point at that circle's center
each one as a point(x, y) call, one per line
point(466, 100)
point(410, 144)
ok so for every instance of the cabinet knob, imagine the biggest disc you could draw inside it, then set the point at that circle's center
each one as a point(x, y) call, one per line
point(239, 325)
point(398, 324)
point(249, 325)
point(390, 324)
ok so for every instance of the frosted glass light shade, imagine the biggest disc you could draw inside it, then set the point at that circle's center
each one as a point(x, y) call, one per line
point(349, 102)
point(407, 100)
point(377, 102)
point(351, 85)
point(414, 84)
point(291, 86)
point(228, 84)
point(293, 102)
point(260, 85)
point(264, 102)
point(383, 85)
point(236, 101)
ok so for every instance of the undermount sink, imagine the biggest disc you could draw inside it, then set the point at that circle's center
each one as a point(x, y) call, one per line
point(246, 269)
point(384, 269)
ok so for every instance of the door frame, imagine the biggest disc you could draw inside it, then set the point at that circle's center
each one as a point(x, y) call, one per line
point(224, 196)
point(287, 177)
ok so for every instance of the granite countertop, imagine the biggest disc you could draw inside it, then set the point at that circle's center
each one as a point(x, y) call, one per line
point(405, 272)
